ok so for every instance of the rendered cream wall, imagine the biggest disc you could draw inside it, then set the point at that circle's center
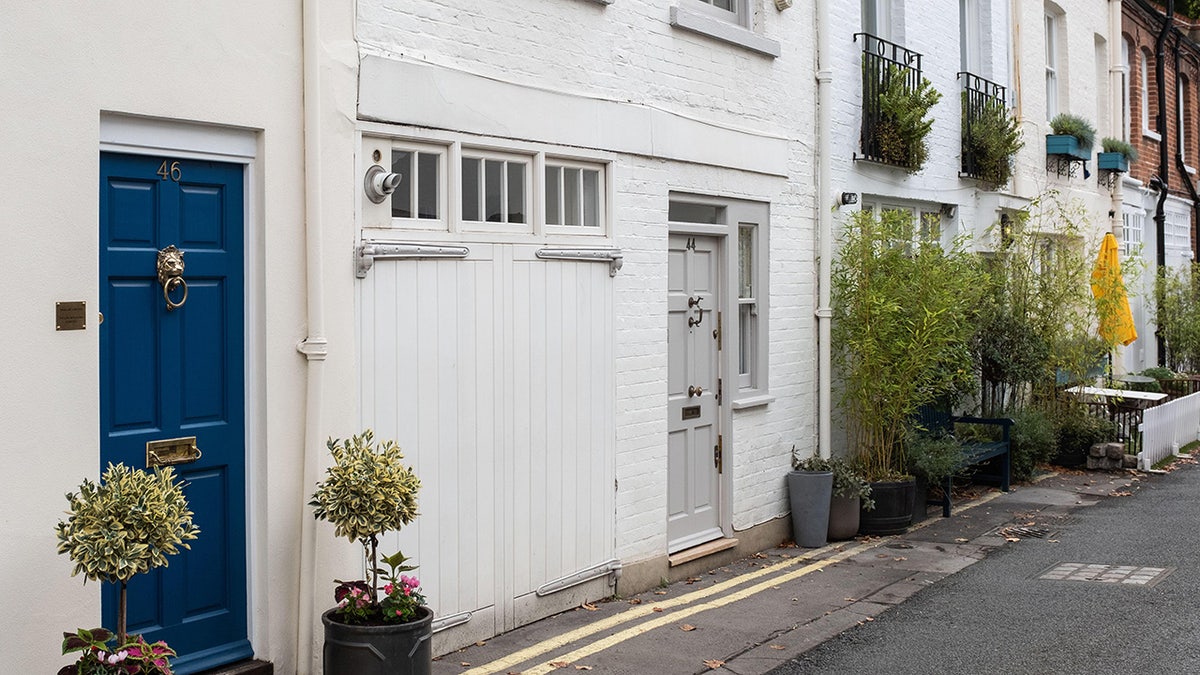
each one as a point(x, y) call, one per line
point(223, 63)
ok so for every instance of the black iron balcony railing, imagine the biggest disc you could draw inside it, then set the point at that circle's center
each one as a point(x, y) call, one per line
point(882, 63)
point(979, 97)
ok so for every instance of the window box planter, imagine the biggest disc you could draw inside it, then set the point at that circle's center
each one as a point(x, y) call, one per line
point(1112, 161)
point(1066, 146)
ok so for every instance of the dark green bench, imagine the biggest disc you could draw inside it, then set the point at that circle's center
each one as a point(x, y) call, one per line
point(940, 422)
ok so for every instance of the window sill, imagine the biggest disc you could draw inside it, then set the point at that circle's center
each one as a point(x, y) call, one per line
point(753, 401)
point(1152, 135)
point(724, 31)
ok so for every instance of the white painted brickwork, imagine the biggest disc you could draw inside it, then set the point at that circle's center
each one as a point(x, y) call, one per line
point(628, 53)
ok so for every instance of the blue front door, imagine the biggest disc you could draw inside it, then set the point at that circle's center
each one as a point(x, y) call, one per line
point(167, 374)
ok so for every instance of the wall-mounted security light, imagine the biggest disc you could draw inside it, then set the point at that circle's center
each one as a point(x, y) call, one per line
point(849, 198)
point(782, 4)
point(379, 183)
point(949, 210)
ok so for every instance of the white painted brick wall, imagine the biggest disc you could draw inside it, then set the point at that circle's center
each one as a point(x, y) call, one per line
point(628, 52)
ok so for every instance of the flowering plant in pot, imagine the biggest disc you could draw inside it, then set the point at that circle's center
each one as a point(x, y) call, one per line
point(366, 492)
point(126, 524)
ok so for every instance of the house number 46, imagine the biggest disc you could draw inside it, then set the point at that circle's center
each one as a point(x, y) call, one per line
point(173, 171)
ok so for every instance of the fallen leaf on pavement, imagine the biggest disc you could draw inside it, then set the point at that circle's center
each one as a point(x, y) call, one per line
point(660, 592)
point(850, 599)
point(778, 647)
point(658, 609)
point(559, 664)
point(464, 664)
point(714, 664)
point(882, 555)
point(480, 643)
point(583, 667)
point(588, 606)
point(635, 601)
point(961, 540)
point(900, 559)
point(692, 580)
point(687, 627)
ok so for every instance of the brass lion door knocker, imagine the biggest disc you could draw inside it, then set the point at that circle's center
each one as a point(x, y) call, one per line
point(170, 275)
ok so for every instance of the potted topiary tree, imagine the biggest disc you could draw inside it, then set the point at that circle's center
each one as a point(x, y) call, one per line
point(902, 324)
point(126, 524)
point(368, 491)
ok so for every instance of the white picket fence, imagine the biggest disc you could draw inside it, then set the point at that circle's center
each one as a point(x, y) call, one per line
point(1168, 427)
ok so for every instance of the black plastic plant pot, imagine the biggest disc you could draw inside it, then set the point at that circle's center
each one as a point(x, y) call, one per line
point(893, 513)
point(394, 649)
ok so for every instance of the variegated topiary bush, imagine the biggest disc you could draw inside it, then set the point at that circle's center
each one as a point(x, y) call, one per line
point(126, 524)
point(368, 491)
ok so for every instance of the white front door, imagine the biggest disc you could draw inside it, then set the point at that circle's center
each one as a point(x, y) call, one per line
point(693, 406)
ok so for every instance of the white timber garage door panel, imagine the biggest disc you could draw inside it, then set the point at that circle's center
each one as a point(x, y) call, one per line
point(495, 374)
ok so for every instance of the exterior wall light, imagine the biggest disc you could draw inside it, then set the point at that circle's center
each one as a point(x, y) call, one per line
point(849, 198)
point(379, 183)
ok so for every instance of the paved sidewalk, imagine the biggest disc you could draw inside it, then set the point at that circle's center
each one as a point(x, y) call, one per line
point(752, 616)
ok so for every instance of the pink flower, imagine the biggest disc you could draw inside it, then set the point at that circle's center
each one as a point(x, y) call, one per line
point(388, 589)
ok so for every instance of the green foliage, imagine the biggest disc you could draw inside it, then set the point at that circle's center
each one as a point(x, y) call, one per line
point(933, 457)
point(992, 137)
point(1038, 316)
point(100, 653)
point(1109, 144)
point(846, 481)
point(125, 525)
point(1159, 373)
point(1076, 431)
point(1065, 124)
point(1032, 441)
point(1178, 299)
point(904, 121)
point(368, 490)
point(904, 314)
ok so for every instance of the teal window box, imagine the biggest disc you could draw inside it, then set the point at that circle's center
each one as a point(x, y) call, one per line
point(1067, 146)
point(1112, 161)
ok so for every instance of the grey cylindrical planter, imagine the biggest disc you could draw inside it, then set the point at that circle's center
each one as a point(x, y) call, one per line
point(810, 492)
point(843, 518)
point(393, 649)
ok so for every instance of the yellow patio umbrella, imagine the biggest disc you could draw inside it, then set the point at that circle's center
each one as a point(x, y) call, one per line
point(1108, 287)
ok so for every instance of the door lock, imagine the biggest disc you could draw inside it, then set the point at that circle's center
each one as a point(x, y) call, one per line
point(170, 275)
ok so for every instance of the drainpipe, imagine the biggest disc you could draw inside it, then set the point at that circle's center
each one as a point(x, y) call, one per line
point(314, 346)
point(1164, 164)
point(824, 235)
point(1117, 74)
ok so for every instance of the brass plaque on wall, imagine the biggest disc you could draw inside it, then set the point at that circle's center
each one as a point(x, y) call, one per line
point(70, 315)
point(691, 412)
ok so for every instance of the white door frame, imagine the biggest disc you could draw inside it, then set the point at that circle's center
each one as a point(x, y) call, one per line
point(135, 135)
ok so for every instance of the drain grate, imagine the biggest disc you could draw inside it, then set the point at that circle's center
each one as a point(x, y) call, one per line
point(1037, 531)
point(1131, 575)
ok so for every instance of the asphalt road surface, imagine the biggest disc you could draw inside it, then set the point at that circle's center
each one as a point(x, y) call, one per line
point(1002, 615)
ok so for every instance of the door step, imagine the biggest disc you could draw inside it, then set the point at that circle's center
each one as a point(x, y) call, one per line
point(696, 552)
point(249, 667)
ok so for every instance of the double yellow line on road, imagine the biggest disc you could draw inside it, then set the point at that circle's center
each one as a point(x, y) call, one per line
point(774, 575)
point(771, 577)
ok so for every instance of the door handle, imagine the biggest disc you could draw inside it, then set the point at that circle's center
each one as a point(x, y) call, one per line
point(170, 275)
point(695, 302)
point(694, 391)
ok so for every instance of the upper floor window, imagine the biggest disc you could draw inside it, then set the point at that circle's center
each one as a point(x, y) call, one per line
point(970, 37)
point(1146, 99)
point(1126, 90)
point(1052, 61)
point(729, 10)
point(1183, 100)
point(877, 18)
